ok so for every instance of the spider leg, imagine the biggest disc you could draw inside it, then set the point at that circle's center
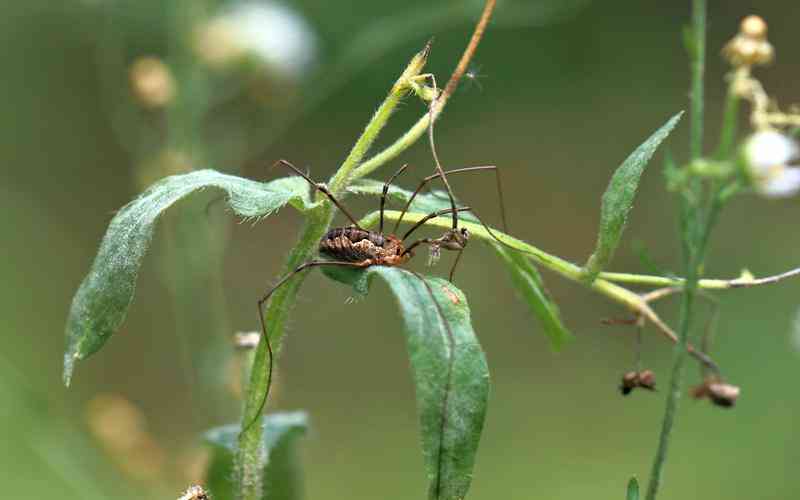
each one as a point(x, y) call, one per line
point(322, 188)
point(386, 192)
point(265, 335)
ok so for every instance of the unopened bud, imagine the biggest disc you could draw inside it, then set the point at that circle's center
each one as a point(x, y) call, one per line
point(151, 82)
point(753, 27)
point(750, 46)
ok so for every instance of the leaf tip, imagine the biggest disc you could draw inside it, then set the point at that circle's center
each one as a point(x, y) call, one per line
point(69, 368)
point(633, 489)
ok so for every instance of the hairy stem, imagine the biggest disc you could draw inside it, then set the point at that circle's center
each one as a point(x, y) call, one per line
point(419, 128)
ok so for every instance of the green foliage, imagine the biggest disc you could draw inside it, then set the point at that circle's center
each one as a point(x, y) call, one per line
point(282, 474)
point(101, 302)
point(633, 489)
point(618, 199)
point(449, 370)
point(529, 284)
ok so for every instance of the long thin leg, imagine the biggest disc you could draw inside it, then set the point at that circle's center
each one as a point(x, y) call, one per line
point(322, 189)
point(386, 191)
point(430, 216)
point(426, 180)
point(265, 298)
point(439, 168)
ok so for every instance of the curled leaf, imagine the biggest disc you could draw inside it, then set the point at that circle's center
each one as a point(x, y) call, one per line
point(101, 302)
point(618, 199)
point(282, 474)
point(450, 374)
point(529, 284)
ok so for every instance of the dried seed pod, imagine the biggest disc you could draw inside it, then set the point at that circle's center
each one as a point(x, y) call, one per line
point(718, 392)
point(644, 379)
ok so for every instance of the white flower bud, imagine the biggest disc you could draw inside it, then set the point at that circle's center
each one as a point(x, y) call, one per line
point(767, 156)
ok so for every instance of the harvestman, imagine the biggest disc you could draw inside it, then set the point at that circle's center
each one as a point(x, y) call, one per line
point(356, 247)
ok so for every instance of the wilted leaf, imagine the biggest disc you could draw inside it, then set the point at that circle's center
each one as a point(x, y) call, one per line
point(100, 304)
point(633, 489)
point(529, 284)
point(282, 475)
point(618, 199)
point(450, 374)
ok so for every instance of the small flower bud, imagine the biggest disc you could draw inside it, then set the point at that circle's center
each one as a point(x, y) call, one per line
point(750, 46)
point(151, 82)
point(754, 27)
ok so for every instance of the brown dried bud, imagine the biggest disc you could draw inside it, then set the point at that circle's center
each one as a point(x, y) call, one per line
point(724, 395)
point(629, 382)
point(718, 392)
point(645, 379)
point(151, 82)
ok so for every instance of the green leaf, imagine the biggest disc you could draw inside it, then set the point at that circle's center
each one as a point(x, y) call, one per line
point(449, 371)
point(529, 284)
point(282, 475)
point(101, 302)
point(633, 489)
point(618, 200)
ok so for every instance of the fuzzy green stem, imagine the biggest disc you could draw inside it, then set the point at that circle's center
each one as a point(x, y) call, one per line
point(401, 87)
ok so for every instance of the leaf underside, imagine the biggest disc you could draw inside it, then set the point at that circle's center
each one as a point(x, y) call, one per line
point(450, 373)
point(618, 199)
point(282, 474)
point(103, 298)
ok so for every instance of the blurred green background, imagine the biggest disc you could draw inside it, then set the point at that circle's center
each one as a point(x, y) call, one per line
point(565, 94)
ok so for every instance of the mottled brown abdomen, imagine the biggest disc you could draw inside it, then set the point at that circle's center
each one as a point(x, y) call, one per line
point(351, 244)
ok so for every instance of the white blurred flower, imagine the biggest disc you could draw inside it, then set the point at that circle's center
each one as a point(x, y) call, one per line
point(270, 33)
point(768, 155)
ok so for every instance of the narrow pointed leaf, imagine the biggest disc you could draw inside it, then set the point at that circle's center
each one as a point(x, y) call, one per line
point(101, 302)
point(529, 284)
point(633, 489)
point(618, 199)
point(282, 473)
point(449, 371)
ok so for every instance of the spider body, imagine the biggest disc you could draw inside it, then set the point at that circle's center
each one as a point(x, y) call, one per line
point(362, 247)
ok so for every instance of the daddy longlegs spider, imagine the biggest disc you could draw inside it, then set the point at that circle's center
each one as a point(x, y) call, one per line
point(356, 247)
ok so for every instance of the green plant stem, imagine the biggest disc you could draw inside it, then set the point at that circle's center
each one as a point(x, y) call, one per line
point(729, 125)
point(695, 230)
point(698, 64)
